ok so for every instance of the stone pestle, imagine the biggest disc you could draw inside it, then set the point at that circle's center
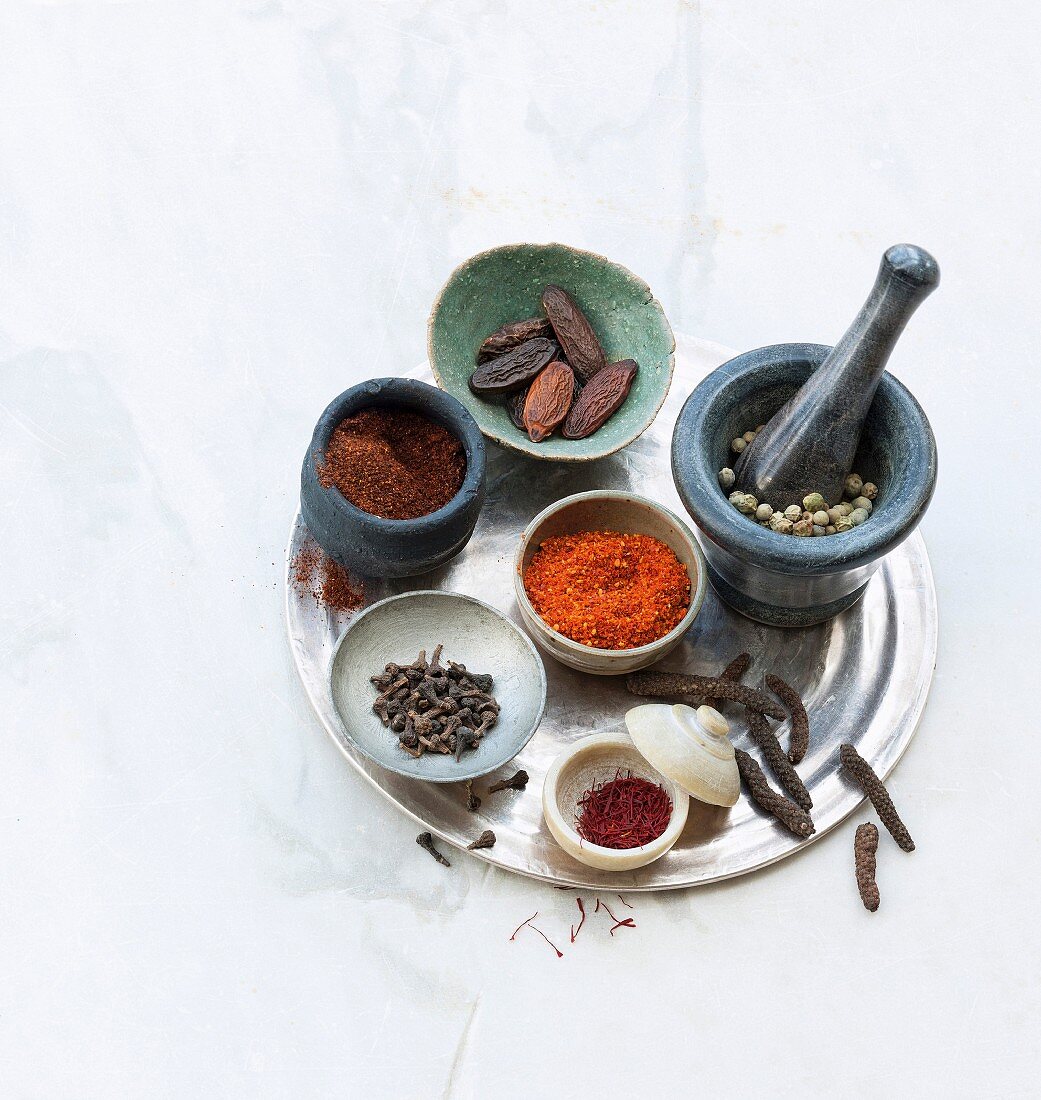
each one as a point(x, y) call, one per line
point(808, 446)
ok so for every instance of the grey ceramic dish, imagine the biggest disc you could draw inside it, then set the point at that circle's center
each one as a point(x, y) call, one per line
point(506, 284)
point(604, 510)
point(473, 634)
point(376, 547)
point(778, 579)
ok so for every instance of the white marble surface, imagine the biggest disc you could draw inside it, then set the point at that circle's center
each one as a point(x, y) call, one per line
point(215, 216)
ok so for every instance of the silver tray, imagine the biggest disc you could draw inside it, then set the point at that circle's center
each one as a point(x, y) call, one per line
point(864, 676)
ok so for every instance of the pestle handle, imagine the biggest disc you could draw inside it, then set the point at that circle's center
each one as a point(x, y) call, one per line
point(809, 445)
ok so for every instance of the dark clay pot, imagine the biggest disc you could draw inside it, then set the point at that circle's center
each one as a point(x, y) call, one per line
point(376, 547)
point(780, 579)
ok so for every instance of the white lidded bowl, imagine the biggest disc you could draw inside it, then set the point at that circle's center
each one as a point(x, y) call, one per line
point(685, 751)
point(690, 746)
point(627, 513)
point(596, 759)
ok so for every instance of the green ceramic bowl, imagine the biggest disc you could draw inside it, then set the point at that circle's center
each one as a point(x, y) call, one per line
point(505, 284)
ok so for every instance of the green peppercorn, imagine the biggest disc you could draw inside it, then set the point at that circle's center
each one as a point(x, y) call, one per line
point(857, 516)
point(726, 478)
point(808, 516)
point(870, 490)
point(803, 528)
point(817, 529)
point(854, 483)
point(747, 504)
point(844, 524)
point(781, 524)
point(845, 507)
point(814, 502)
point(759, 428)
point(863, 502)
point(738, 445)
point(764, 512)
point(834, 515)
point(748, 437)
point(821, 518)
point(830, 529)
point(736, 497)
point(793, 512)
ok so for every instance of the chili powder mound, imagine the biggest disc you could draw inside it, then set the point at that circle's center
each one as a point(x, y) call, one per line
point(393, 463)
point(608, 590)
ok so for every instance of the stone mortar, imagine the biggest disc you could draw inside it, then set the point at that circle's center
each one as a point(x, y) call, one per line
point(780, 579)
point(376, 547)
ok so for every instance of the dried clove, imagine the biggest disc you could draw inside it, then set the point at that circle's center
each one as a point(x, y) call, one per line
point(433, 707)
point(874, 788)
point(473, 803)
point(800, 738)
point(517, 782)
point(691, 688)
point(787, 813)
point(865, 845)
point(485, 840)
point(766, 740)
point(426, 842)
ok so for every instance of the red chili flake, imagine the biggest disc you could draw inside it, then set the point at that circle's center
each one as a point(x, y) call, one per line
point(575, 931)
point(626, 812)
point(606, 589)
point(527, 924)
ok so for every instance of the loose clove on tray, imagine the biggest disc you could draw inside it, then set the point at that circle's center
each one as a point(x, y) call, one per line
point(517, 782)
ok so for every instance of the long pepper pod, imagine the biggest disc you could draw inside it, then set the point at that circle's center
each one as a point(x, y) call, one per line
point(787, 813)
point(865, 845)
point(766, 740)
point(689, 688)
point(873, 787)
point(733, 672)
point(800, 739)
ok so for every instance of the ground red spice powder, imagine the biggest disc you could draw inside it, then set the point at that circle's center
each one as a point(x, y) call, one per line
point(393, 463)
point(606, 589)
point(315, 574)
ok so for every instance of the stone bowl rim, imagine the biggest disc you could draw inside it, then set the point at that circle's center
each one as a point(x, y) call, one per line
point(708, 505)
point(409, 394)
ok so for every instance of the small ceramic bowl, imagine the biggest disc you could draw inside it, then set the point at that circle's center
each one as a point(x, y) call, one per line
point(377, 547)
point(506, 284)
point(472, 634)
point(596, 759)
point(607, 510)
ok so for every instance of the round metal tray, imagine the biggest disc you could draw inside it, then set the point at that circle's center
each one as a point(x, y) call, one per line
point(864, 676)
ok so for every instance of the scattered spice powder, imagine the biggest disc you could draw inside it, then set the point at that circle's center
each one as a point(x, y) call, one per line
point(315, 574)
point(625, 812)
point(393, 463)
point(606, 589)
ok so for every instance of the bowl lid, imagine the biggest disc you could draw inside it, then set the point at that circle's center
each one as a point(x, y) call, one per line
point(689, 746)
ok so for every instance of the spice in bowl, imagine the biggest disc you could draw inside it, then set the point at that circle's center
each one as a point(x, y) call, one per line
point(393, 463)
point(608, 590)
point(625, 812)
point(435, 707)
point(552, 372)
point(812, 516)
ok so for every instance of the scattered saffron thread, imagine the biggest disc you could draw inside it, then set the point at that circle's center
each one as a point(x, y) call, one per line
point(527, 923)
point(575, 931)
point(624, 902)
point(627, 923)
